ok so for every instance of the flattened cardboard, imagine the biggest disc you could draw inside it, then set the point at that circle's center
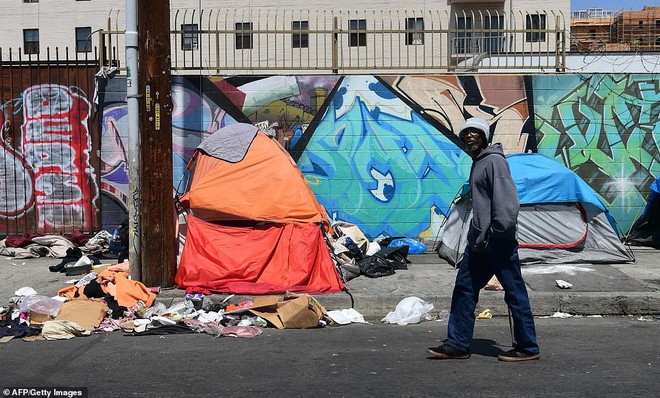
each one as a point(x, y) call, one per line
point(290, 312)
point(87, 313)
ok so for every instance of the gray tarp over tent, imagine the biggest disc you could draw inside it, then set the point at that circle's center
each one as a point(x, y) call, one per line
point(561, 219)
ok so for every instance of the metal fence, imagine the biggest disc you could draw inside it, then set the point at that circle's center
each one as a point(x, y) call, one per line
point(306, 41)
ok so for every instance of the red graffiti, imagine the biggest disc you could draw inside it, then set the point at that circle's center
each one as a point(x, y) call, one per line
point(56, 145)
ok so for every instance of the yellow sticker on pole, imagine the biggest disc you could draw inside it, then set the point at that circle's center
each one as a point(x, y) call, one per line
point(157, 112)
point(148, 98)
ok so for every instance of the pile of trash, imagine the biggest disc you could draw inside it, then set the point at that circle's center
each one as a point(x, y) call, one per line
point(355, 255)
point(103, 298)
point(107, 300)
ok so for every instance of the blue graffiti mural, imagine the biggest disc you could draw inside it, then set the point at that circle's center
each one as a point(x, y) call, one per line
point(377, 164)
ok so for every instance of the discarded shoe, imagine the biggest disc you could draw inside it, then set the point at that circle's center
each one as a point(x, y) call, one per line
point(517, 356)
point(446, 351)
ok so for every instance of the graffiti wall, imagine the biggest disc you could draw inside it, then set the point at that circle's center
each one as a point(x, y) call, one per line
point(378, 151)
point(48, 180)
point(606, 128)
point(113, 170)
point(382, 151)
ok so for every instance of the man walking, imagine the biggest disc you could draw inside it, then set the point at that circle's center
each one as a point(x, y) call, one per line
point(492, 249)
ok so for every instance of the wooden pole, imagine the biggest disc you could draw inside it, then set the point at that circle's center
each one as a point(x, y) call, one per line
point(158, 261)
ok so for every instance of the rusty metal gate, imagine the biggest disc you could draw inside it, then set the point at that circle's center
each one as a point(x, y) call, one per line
point(48, 151)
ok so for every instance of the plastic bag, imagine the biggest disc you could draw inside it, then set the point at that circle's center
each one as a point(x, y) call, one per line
point(40, 304)
point(376, 267)
point(414, 246)
point(409, 310)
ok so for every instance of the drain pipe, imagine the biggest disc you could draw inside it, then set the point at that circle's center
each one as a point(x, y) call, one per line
point(132, 99)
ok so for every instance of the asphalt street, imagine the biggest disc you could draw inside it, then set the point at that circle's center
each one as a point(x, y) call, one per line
point(580, 357)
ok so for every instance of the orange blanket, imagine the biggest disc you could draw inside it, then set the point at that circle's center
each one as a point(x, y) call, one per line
point(115, 282)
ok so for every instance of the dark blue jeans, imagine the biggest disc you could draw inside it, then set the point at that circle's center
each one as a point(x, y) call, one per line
point(475, 270)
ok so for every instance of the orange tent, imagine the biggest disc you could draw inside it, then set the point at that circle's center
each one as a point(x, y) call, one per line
point(255, 225)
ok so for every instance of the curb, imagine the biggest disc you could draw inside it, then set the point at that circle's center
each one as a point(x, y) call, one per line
point(373, 308)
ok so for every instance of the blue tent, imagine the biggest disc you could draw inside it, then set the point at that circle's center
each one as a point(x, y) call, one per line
point(561, 219)
point(540, 179)
point(646, 229)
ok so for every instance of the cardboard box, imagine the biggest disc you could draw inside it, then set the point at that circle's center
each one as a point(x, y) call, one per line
point(37, 319)
point(292, 311)
point(88, 313)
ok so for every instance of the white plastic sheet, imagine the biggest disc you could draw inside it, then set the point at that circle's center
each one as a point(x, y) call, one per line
point(344, 317)
point(409, 310)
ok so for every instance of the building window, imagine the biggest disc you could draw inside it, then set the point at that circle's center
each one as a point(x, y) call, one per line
point(535, 25)
point(592, 34)
point(493, 35)
point(657, 23)
point(414, 31)
point(300, 34)
point(189, 36)
point(31, 41)
point(30, 1)
point(357, 29)
point(657, 42)
point(84, 40)
point(243, 35)
point(463, 36)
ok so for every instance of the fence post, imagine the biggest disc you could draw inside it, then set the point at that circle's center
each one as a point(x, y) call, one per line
point(335, 44)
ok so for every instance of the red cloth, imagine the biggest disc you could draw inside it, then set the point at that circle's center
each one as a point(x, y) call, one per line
point(78, 238)
point(198, 290)
point(19, 241)
point(267, 259)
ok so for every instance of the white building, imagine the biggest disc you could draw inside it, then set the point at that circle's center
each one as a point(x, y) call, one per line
point(273, 35)
point(593, 13)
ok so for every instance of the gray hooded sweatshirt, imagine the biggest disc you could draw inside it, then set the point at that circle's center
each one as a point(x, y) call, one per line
point(495, 202)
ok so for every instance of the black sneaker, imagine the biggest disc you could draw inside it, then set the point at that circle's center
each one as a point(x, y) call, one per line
point(517, 356)
point(445, 351)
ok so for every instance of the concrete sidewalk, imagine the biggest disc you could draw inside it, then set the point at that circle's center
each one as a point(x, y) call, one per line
point(602, 289)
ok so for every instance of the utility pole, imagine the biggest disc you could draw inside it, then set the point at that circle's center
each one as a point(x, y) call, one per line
point(157, 229)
